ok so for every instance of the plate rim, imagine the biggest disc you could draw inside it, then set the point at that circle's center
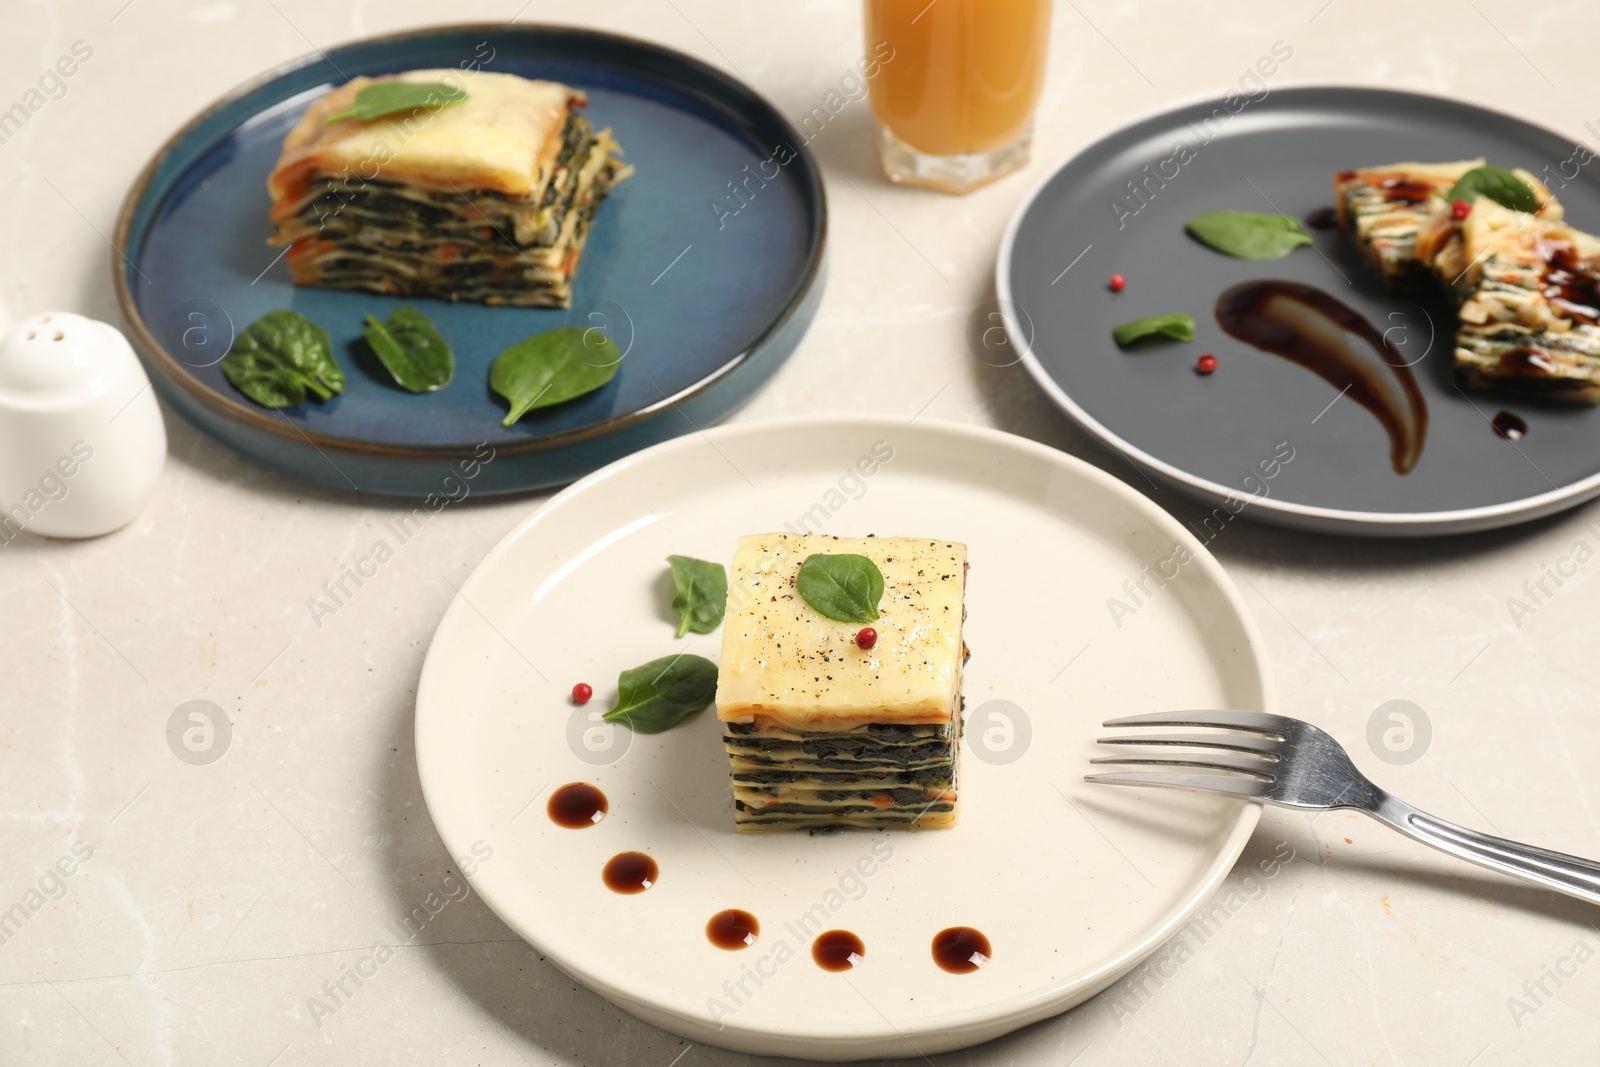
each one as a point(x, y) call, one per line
point(983, 1022)
point(164, 366)
point(1327, 519)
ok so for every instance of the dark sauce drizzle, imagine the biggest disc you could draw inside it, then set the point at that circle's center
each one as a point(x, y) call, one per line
point(838, 950)
point(1525, 362)
point(1571, 285)
point(1395, 188)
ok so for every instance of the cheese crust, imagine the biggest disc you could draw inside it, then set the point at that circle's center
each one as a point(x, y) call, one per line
point(488, 199)
point(502, 137)
point(785, 665)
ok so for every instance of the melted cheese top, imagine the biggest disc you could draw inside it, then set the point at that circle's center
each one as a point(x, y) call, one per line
point(786, 664)
point(503, 136)
point(1514, 237)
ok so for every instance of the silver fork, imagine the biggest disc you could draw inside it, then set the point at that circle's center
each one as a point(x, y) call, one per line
point(1277, 760)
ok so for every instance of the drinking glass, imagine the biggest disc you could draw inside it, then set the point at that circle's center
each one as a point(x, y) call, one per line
point(956, 87)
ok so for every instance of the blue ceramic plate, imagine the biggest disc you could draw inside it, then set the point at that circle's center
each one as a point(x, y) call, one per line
point(706, 298)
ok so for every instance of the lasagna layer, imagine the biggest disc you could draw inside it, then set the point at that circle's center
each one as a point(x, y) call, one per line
point(1532, 321)
point(1401, 218)
point(869, 776)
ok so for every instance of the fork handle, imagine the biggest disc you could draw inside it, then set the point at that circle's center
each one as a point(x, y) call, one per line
point(1572, 875)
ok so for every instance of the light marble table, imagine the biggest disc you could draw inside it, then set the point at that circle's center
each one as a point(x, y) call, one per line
point(216, 900)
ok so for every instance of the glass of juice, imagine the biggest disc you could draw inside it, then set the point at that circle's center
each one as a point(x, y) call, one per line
point(957, 87)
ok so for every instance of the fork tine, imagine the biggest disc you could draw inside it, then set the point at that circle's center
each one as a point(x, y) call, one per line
point(1254, 721)
point(1209, 783)
point(1227, 742)
point(1208, 761)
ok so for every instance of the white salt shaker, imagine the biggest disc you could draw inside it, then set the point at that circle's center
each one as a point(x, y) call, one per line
point(81, 436)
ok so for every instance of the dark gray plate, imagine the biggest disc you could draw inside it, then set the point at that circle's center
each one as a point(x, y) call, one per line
point(1211, 436)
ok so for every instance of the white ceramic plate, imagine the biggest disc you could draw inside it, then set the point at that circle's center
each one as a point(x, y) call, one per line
point(1073, 884)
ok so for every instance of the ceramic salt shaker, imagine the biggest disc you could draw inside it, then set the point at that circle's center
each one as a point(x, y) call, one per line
point(81, 436)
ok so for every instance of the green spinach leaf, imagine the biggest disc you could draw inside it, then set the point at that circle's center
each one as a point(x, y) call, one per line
point(700, 593)
point(553, 367)
point(281, 357)
point(1175, 327)
point(1499, 185)
point(844, 587)
point(388, 98)
point(1249, 235)
point(411, 350)
point(662, 693)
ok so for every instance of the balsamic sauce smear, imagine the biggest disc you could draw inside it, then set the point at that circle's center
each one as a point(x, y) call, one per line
point(1307, 326)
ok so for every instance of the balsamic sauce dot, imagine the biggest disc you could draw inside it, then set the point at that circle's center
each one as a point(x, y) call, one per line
point(1511, 427)
point(630, 872)
point(837, 950)
point(961, 949)
point(577, 805)
point(733, 929)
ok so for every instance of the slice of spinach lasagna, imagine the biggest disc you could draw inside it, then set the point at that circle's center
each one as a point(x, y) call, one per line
point(486, 200)
point(1401, 219)
point(1532, 319)
point(821, 733)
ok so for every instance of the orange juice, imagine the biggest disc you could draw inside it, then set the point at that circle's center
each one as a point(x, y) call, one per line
point(965, 74)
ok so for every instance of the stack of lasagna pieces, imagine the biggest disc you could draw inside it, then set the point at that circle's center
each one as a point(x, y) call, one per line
point(486, 200)
point(821, 733)
point(1528, 284)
